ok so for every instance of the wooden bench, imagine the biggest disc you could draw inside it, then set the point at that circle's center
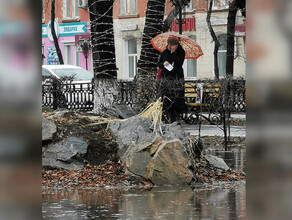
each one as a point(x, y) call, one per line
point(201, 98)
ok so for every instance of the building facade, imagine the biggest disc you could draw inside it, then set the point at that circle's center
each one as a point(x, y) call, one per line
point(129, 18)
point(72, 29)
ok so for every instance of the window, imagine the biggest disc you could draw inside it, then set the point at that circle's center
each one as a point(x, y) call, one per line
point(224, 4)
point(43, 12)
point(66, 9)
point(128, 7)
point(190, 7)
point(220, 4)
point(76, 54)
point(222, 54)
point(70, 9)
point(46, 73)
point(190, 65)
point(75, 9)
point(215, 4)
point(131, 58)
point(67, 54)
point(78, 73)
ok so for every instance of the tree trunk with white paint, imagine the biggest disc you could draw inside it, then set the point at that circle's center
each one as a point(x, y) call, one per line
point(103, 53)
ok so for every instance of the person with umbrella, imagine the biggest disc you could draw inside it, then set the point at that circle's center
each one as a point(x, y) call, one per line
point(172, 79)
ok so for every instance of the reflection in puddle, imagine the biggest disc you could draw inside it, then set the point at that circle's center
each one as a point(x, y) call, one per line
point(212, 202)
point(234, 159)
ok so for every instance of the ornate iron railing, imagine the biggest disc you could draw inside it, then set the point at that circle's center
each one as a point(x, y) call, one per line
point(80, 96)
point(68, 95)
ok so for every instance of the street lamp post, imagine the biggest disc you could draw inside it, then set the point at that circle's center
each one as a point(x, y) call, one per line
point(178, 4)
point(180, 19)
point(85, 48)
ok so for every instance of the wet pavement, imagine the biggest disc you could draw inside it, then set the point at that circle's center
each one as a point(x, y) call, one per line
point(214, 130)
point(221, 201)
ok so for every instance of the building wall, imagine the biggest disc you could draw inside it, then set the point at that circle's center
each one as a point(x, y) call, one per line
point(205, 63)
point(122, 35)
point(66, 38)
point(131, 26)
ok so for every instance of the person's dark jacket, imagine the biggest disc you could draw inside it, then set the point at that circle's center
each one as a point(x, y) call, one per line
point(172, 82)
point(176, 59)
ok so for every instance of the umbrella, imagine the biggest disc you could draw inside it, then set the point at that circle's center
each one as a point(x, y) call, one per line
point(192, 49)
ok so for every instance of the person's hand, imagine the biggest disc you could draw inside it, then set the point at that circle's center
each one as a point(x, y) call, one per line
point(166, 63)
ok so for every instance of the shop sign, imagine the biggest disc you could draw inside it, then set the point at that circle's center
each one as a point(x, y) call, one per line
point(66, 29)
point(52, 56)
point(129, 27)
point(218, 21)
point(189, 24)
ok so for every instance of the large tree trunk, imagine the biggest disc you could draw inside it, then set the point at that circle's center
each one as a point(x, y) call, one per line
point(230, 38)
point(233, 8)
point(145, 78)
point(103, 54)
point(215, 39)
point(153, 26)
point(60, 57)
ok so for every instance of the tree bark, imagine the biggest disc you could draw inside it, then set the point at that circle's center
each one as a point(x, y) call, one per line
point(215, 39)
point(230, 38)
point(233, 8)
point(60, 57)
point(103, 55)
point(145, 82)
point(102, 38)
point(153, 26)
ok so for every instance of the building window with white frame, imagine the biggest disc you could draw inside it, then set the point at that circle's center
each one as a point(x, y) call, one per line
point(220, 4)
point(67, 53)
point(75, 9)
point(215, 4)
point(224, 4)
point(222, 55)
point(76, 56)
point(131, 58)
point(66, 9)
point(128, 7)
point(190, 65)
point(70, 9)
point(43, 12)
point(189, 7)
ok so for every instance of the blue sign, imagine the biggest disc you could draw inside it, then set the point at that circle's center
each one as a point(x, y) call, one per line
point(69, 29)
point(52, 56)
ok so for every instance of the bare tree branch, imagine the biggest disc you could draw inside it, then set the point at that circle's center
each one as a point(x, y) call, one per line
point(215, 39)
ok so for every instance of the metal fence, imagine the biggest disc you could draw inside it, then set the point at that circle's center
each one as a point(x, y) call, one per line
point(80, 96)
point(68, 95)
